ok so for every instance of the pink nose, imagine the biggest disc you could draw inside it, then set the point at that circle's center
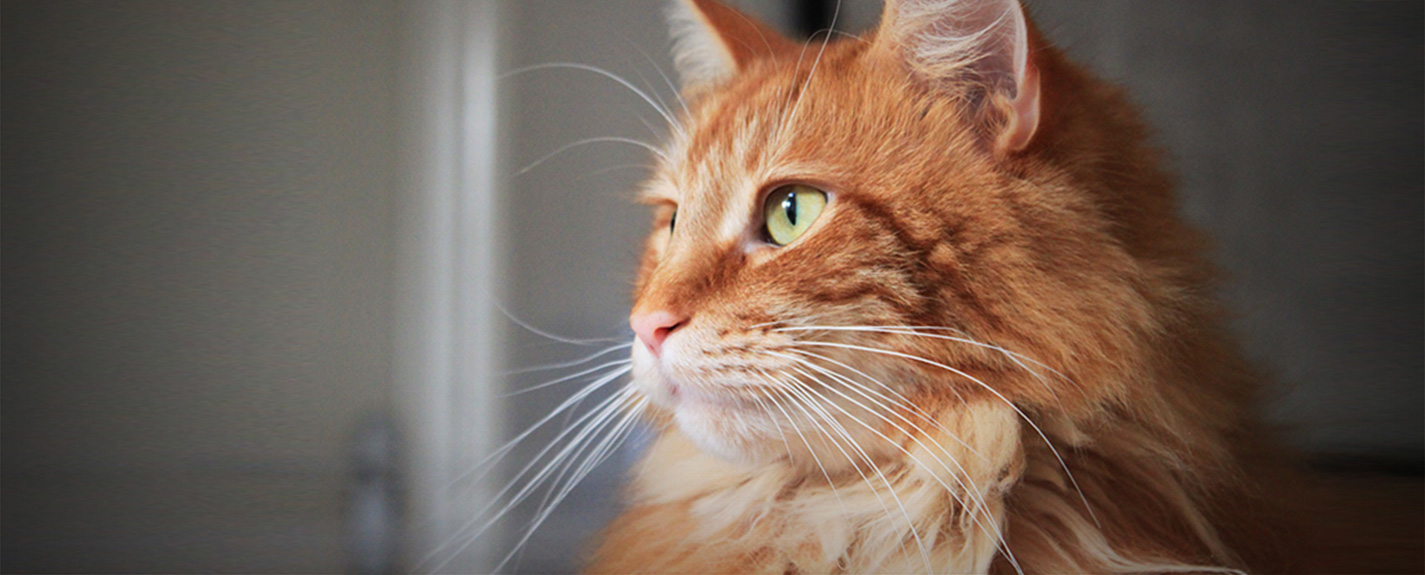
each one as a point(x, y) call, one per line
point(653, 327)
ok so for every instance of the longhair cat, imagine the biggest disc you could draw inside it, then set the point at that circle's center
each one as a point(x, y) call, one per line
point(919, 301)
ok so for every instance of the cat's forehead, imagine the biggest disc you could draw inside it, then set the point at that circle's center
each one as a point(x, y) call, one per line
point(768, 126)
point(728, 137)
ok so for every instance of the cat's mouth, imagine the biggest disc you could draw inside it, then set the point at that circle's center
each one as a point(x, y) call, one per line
point(666, 386)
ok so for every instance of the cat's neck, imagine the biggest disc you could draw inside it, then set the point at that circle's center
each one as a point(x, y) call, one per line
point(940, 499)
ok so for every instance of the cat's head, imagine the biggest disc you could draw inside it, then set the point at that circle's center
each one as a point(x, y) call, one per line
point(850, 234)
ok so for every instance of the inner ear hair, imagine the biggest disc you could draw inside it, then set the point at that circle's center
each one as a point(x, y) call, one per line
point(981, 48)
point(713, 41)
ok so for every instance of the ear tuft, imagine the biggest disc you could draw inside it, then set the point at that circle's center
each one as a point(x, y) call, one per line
point(980, 44)
point(712, 42)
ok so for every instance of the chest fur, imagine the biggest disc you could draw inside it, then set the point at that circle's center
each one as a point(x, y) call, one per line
point(938, 508)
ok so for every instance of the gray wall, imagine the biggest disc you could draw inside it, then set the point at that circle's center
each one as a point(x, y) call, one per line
point(197, 276)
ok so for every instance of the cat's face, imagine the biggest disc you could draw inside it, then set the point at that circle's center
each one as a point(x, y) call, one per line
point(836, 253)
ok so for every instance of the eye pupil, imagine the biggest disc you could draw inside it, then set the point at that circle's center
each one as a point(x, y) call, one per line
point(789, 205)
point(673, 221)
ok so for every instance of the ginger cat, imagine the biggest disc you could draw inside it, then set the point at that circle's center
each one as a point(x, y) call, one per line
point(919, 301)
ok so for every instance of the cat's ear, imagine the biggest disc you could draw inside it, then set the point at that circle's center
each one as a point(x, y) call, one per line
point(984, 45)
point(712, 42)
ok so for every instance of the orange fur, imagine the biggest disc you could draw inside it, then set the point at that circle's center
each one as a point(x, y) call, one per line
point(1121, 433)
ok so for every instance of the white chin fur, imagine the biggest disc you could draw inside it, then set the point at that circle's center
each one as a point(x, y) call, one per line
point(721, 434)
point(702, 429)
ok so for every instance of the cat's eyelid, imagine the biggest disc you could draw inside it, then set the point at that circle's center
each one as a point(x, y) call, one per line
point(658, 192)
point(656, 201)
point(774, 185)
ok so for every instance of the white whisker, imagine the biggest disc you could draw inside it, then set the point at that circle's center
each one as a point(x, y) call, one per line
point(610, 443)
point(552, 336)
point(570, 363)
point(666, 80)
point(567, 377)
point(561, 149)
point(772, 386)
point(672, 122)
point(993, 391)
point(911, 330)
point(972, 490)
point(614, 168)
point(902, 400)
point(807, 85)
point(758, 400)
point(600, 415)
point(787, 390)
point(807, 394)
point(498, 454)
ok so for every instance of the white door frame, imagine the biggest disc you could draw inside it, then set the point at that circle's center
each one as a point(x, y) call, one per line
point(449, 267)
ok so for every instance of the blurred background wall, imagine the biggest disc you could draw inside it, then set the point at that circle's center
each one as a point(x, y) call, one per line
point(208, 212)
point(197, 225)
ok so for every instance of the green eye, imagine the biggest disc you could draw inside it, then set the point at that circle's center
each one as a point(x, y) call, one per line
point(790, 211)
